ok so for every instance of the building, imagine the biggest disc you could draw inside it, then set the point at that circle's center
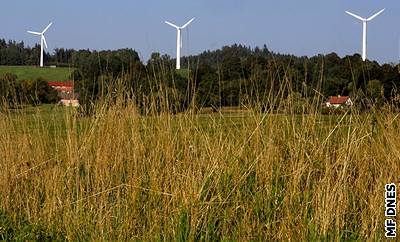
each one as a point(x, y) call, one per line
point(66, 92)
point(339, 101)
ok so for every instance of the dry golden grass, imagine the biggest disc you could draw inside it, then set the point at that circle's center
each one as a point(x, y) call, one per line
point(119, 175)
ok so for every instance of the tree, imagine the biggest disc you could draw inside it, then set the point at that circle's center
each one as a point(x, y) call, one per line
point(37, 92)
point(336, 86)
point(44, 93)
point(375, 91)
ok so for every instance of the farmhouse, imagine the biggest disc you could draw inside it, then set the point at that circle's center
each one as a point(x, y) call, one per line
point(339, 101)
point(66, 92)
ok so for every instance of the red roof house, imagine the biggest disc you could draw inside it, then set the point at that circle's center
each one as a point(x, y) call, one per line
point(339, 101)
point(66, 86)
point(66, 92)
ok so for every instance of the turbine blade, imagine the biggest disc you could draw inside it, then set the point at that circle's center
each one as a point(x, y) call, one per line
point(44, 41)
point(356, 16)
point(36, 33)
point(190, 21)
point(173, 25)
point(181, 42)
point(375, 15)
point(48, 26)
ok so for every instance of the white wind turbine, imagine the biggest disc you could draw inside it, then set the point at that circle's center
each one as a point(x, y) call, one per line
point(42, 41)
point(179, 41)
point(365, 21)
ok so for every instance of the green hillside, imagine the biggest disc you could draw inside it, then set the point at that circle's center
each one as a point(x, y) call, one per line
point(33, 72)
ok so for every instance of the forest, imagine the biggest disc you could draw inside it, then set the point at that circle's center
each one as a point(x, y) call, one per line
point(230, 76)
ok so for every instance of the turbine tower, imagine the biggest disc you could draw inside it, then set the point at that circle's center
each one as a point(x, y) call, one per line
point(42, 41)
point(365, 21)
point(179, 41)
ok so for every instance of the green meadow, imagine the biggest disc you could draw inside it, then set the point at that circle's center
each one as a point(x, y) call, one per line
point(33, 72)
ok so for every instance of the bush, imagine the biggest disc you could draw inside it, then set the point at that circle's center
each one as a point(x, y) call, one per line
point(38, 92)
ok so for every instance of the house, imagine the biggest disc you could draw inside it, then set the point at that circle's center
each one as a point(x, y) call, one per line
point(339, 101)
point(66, 92)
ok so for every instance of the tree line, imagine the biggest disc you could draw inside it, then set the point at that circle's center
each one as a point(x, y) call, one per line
point(229, 76)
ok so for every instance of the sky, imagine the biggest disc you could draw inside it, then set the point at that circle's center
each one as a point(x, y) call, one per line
point(302, 28)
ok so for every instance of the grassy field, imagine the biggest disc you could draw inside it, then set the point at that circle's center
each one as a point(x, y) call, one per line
point(33, 72)
point(119, 175)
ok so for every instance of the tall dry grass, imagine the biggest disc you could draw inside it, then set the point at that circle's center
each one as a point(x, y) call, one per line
point(119, 175)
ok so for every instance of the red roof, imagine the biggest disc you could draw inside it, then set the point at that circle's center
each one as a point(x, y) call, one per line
point(61, 84)
point(338, 100)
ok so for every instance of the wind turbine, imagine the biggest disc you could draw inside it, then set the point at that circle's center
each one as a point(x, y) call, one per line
point(179, 41)
point(42, 41)
point(365, 21)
